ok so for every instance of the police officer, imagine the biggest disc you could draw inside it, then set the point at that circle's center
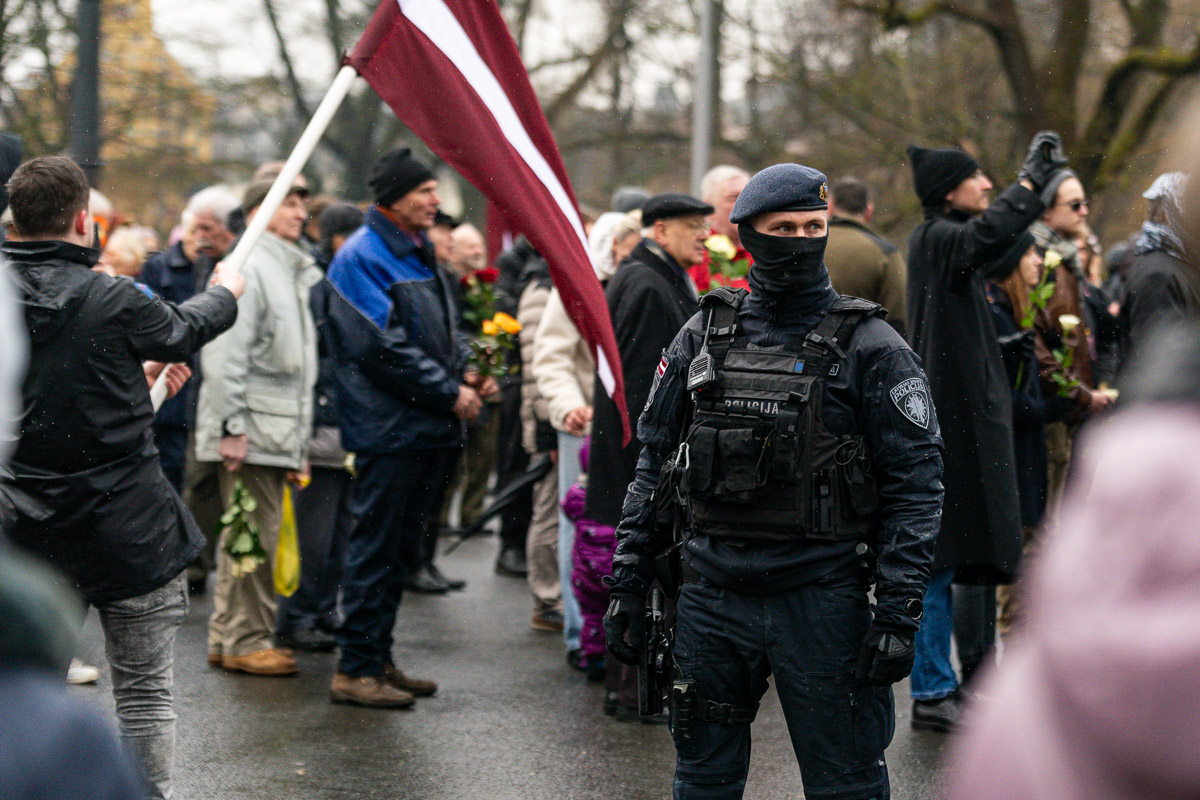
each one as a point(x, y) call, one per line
point(799, 427)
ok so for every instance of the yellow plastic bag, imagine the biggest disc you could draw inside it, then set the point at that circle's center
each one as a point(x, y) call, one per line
point(287, 551)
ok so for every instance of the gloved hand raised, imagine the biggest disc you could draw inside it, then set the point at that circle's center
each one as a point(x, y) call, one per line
point(625, 615)
point(886, 656)
point(1043, 161)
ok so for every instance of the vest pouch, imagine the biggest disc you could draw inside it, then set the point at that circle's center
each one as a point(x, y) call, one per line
point(739, 454)
point(702, 461)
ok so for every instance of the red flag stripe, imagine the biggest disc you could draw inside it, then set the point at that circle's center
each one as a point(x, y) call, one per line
point(465, 112)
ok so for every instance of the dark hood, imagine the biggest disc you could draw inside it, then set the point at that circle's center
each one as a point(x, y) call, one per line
point(52, 278)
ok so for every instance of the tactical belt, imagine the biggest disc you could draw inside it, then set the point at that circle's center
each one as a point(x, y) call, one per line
point(724, 713)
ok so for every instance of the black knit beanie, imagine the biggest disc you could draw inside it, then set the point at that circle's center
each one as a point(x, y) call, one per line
point(396, 174)
point(937, 172)
point(1003, 266)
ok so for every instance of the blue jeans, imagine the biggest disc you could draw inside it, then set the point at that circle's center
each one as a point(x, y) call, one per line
point(394, 496)
point(932, 676)
point(568, 473)
point(728, 643)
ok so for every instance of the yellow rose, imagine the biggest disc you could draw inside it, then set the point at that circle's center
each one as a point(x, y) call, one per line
point(490, 328)
point(507, 323)
point(721, 245)
point(1068, 323)
point(1052, 259)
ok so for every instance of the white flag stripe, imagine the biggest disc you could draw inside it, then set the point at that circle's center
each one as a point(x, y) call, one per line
point(606, 375)
point(437, 22)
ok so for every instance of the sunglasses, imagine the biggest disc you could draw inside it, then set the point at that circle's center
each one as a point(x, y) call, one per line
point(1077, 205)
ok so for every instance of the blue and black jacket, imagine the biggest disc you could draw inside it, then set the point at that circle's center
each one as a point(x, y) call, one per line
point(391, 325)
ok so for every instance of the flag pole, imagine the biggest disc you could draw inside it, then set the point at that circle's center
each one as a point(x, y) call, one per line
point(291, 168)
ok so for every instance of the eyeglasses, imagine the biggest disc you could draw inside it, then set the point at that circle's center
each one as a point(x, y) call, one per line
point(1076, 205)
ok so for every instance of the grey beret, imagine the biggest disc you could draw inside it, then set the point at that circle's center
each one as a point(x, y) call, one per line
point(782, 187)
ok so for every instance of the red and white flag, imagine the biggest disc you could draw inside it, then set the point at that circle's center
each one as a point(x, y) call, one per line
point(451, 72)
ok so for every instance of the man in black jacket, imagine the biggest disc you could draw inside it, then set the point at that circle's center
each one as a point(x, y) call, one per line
point(950, 328)
point(85, 489)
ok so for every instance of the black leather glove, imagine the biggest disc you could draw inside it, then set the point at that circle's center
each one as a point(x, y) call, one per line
point(1017, 349)
point(1043, 161)
point(886, 657)
point(625, 615)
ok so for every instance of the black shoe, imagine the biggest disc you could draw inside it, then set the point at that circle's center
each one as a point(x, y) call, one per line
point(575, 660)
point(310, 640)
point(596, 669)
point(424, 582)
point(511, 562)
point(609, 708)
point(451, 584)
point(939, 715)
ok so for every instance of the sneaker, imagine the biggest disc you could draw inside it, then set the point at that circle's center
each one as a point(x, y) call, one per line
point(369, 691)
point(417, 687)
point(80, 673)
point(269, 663)
point(551, 621)
point(511, 562)
point(939, 715)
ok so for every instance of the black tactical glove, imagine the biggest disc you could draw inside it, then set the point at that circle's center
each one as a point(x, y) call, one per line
point(886, 656)
point(1017, 349)
point(625, 615)
point(1044, 160)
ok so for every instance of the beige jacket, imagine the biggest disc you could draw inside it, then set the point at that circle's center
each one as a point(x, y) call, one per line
point(530, 310)
point(562, 363)
point(259, 377)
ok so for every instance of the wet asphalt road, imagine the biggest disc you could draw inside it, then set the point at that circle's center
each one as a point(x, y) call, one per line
point(510, 722)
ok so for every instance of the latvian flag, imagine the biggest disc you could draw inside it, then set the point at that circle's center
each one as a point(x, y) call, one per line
point(451, 72)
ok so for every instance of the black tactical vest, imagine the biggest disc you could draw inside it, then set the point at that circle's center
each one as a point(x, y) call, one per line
point(759, 463)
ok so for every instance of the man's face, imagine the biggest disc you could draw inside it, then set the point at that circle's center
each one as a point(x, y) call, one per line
point(443, 243)
point(210, 237)
point(807, 224)
point(683, 238)
point(971, 196)
point(414, 212)
point(1070, 208)
point(722, 205)
point(470, 255)
point(288, 221)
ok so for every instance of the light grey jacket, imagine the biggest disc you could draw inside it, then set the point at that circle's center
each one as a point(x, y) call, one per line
point(259, 377)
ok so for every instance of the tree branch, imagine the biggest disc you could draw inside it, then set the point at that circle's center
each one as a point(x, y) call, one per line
point(611, 43)
point(286, 57)
point(333, 11)
point(893, 15)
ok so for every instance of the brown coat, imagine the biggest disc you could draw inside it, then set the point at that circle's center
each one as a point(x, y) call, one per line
point(863, 264)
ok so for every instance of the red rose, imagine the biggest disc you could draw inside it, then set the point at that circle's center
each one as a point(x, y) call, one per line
point(489, 275)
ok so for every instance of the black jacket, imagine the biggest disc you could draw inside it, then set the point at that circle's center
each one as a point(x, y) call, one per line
point(84, 488)
point(650, 299)
point(950, 328)
point(905, 458)
point(1159, 290)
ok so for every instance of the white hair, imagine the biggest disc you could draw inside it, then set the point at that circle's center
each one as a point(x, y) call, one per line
point(717, 177)
point(216, 200)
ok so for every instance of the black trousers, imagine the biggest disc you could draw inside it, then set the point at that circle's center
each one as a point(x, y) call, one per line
point(728, 643)
point(511, 461)
point(323, 522)
point(974, 627)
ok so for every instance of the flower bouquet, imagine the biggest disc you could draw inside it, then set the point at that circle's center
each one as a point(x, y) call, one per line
point(497, 330)
point(723, 256)
point(1039, 298)
point(242, 542)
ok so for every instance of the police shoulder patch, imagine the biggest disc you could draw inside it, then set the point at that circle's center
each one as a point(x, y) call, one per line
point(911, 398)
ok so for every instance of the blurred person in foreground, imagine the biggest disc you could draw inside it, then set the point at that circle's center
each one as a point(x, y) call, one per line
point(1096, 697)
point(307, 619)
point(85, 489)
point(862, 263)
point(403, 394)
point(949, 326)
point(254, 419)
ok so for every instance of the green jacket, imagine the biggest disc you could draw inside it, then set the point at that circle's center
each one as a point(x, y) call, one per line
point(863, 264)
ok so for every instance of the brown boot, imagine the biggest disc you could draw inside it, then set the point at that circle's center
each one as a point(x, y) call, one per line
point(371, 691)
point(268, 662)
point(214, 659)
point(414, 686)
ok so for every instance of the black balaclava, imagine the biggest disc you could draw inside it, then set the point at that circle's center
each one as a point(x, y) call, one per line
point(790, 268)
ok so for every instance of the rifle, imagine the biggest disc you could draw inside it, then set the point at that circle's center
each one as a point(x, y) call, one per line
point(655, 667)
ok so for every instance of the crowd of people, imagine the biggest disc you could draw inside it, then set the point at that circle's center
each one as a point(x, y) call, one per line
point(340, 375)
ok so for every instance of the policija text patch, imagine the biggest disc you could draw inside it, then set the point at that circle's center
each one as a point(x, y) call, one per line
point(911, 397)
